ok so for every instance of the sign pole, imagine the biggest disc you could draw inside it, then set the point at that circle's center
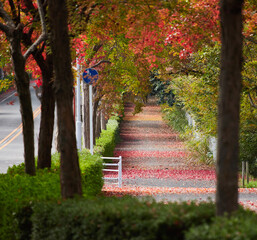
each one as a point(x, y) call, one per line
point(91, 118)
point(78, 122)
point(90, 75)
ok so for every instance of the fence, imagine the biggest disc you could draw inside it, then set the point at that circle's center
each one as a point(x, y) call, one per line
point(118, 170)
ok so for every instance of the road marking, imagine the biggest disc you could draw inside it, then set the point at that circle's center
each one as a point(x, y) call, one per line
point(17, 131)
point(20, 131)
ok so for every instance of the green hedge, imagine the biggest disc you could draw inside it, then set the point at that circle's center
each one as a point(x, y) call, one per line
point(106, 143)
point(92, 175)
point(91, 171)
point(130, 218)
point(240, 226)
point(18, 189)
point(112, 218)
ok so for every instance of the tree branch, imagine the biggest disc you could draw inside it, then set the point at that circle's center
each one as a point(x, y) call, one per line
point(13, 11)
point(251, 101)
point(185, 71)
point(99, 63)
point(5, 29)
point(42, 16)
point(43, 36)
point(29, 6)
point(33, 47)
point(5, 16)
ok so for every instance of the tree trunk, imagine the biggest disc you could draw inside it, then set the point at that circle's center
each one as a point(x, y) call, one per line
point(98, 124)
point(70, 172)
point(47, 117)
point(229, 104)
point(103, 121)
point(86, 117)
point(22, 84)
point(47, 101)
point(95, 107)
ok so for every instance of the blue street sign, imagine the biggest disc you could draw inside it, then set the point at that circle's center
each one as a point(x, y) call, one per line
point(90, 75)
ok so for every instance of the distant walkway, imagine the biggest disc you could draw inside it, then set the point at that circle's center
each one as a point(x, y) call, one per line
point(157, 163)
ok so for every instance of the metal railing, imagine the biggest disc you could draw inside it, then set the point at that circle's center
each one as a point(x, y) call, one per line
point(118, 170)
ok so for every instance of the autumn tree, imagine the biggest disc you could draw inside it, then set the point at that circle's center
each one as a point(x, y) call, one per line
point(13, 29)
point(6, 80)
point(43, 61)
point(60, 46)
point(229, 102)
point(107, 50)
point(202, 17)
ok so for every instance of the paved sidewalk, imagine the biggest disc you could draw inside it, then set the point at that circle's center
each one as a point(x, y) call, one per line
point(157, 163)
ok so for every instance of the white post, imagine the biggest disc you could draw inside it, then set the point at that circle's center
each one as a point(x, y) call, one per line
point(120, 172)
point(83, 114)
point(78, 122)
point(91, 118)
point(243, 173)
point(247, 171)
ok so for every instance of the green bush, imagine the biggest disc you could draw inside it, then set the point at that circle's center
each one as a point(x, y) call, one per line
point(251, 184)
point(91, 171)
point(16, 170)
point(106, 143)
point(248, 149)
point(18, 190)
point(111, 218)
point(240, 226)
point(176, 118)
point(198, 91)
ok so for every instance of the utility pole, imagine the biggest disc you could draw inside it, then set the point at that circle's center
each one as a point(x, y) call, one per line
point(78, 122)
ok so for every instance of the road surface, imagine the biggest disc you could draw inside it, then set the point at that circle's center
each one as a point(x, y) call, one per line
point(11, 138)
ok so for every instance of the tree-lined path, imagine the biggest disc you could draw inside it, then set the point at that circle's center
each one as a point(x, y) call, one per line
point(156, 162)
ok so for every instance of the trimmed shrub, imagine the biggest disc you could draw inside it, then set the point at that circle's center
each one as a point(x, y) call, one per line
point(91, 171)
point(19, 190)
point(112, 218)
point(240, 226)
point(106, 143)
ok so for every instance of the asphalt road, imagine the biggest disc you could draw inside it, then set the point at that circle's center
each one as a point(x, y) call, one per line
point(11, 138)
